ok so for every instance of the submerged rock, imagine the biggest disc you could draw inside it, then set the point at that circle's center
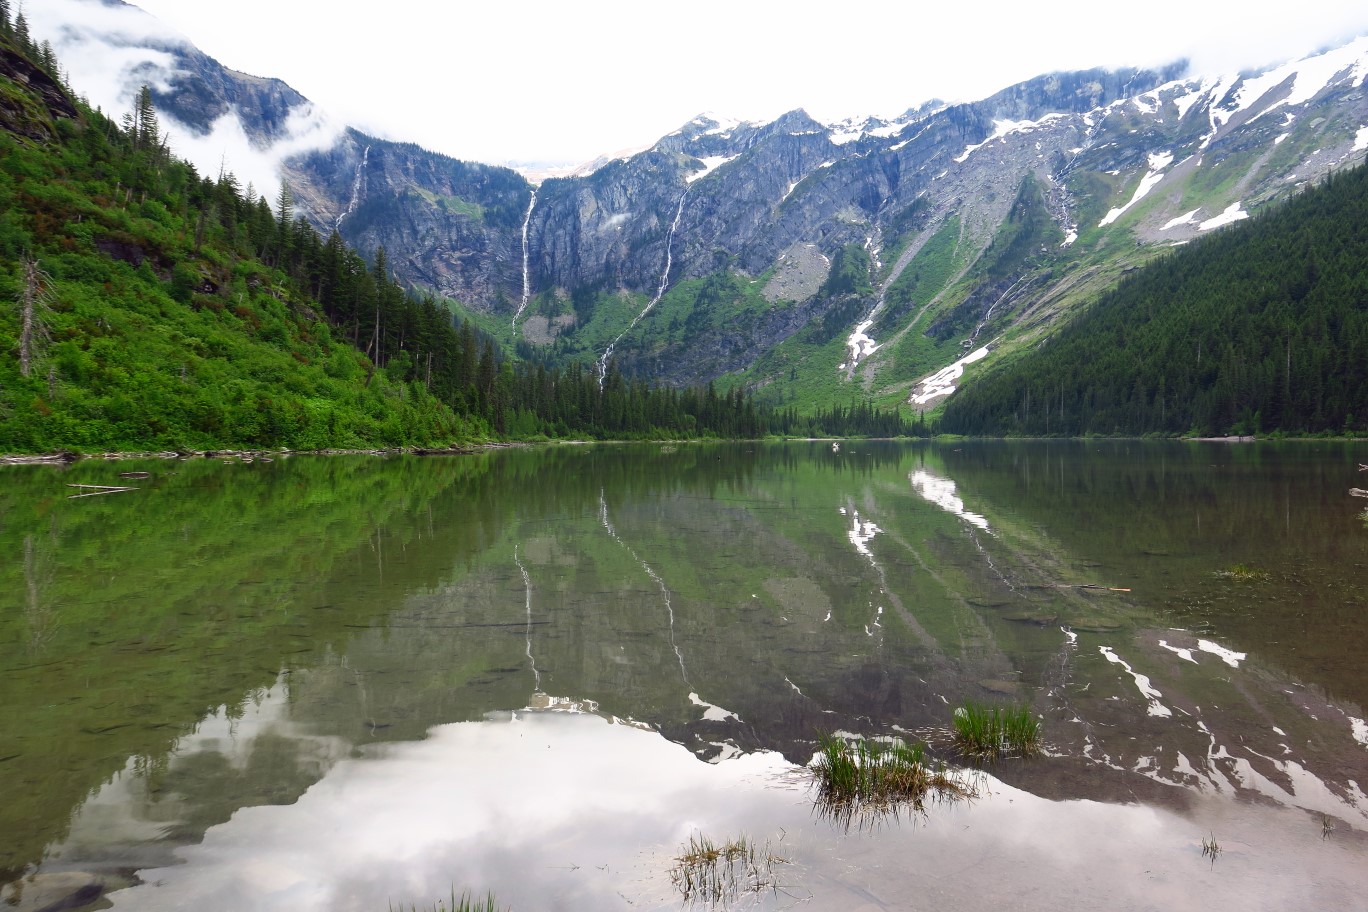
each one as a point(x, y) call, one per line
point(51, 892)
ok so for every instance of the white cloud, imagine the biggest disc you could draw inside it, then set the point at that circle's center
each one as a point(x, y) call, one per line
point(97, 45)
point(227, 144)
point(556, 82)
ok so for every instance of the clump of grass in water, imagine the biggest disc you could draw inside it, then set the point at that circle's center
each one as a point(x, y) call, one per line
point(709, 873)
point(1211, 848)
point(871, 779)
point(990, 733)
point(1243, 573)
point(464, 904)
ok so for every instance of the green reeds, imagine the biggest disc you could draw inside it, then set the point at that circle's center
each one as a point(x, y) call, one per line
point(989, 733)
point(706, 872)
point(462, 904)
point(1211, 848)
point(869, 779)
point(1243, 573)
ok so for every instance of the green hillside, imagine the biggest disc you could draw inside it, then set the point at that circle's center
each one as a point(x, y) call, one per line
point(145, 306)
point(1261, 327)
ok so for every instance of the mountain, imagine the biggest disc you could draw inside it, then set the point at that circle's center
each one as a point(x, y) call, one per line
point(149, 307)
point(714, 252)
point(1260, 327)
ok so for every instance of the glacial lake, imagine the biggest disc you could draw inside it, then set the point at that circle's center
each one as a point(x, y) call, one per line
point(354, 683)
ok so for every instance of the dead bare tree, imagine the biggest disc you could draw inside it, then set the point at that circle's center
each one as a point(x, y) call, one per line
point(35, 297)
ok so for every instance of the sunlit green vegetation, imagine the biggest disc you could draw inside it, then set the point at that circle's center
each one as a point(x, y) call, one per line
point(860, 778)
point(991, 732)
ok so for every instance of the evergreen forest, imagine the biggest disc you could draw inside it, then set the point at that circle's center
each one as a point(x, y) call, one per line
point(1259, 328)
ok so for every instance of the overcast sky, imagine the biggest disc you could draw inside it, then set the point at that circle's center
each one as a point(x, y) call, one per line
point(562, 82)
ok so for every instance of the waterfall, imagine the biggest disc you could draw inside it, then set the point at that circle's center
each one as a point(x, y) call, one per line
point(527, 589)
point(660, 291)
point(527, 269)
point(655, 577)
point(358, 185)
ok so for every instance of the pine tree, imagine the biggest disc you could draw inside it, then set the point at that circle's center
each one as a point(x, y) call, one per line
point(284, 218)
point(21, 32)
point(146, 130)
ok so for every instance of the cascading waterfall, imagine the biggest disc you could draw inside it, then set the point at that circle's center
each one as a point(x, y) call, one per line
point(358, 185)
point(660, 291)
point(527, 269)
point(655, 577)
point(527, 588)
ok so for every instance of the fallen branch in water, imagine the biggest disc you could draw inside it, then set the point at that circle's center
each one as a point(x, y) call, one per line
point(1358, 492)
point(98, 490)
point(1077, 586)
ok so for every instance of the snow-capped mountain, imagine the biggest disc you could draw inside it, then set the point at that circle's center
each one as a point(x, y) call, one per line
point(979, 222)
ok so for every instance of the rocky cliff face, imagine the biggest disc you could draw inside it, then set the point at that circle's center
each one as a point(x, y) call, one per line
point(15, 115)
point(447, 226)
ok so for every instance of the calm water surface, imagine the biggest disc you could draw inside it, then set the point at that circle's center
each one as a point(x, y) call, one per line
point(346, 683)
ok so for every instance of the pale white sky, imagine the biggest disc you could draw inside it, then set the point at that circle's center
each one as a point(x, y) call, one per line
point(561, 82)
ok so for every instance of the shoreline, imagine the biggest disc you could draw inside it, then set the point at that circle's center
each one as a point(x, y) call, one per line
point(67, 458)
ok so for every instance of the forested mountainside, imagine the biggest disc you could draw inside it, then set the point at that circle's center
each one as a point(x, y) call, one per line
point(727, 249)
point(1260, 328)
point(817, 266)
point(148, 306)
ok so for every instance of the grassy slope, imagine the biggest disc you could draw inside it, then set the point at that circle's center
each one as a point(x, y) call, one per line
point(196, 346)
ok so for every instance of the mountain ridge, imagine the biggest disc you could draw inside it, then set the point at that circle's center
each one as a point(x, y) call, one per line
point(1121, 163)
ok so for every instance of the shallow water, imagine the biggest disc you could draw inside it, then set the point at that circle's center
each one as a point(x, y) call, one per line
point(343, 683)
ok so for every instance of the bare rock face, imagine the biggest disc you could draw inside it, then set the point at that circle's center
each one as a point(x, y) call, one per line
point(14, 117)
point(447, 226)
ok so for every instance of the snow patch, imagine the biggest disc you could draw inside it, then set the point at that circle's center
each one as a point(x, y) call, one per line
point(942, 382)
point(1142, 682)
point(1186, 219)
point(1310, 76)
point(1158, 161)
point(1190, 97)
point(1179, 651)
point(1004, 128)
point(941, 492)
point(1147, 103)
point(1360, 140)
point(712, 713)
point(710, 164)
point(1233, 213)
point(860, 344)
point(861, 534)
point(1229, 656)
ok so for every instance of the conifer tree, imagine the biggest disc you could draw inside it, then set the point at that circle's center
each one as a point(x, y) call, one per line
point(21, 32)
point(146, 130)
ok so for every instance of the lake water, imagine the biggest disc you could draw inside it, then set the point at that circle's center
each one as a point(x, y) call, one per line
point(349, 683)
